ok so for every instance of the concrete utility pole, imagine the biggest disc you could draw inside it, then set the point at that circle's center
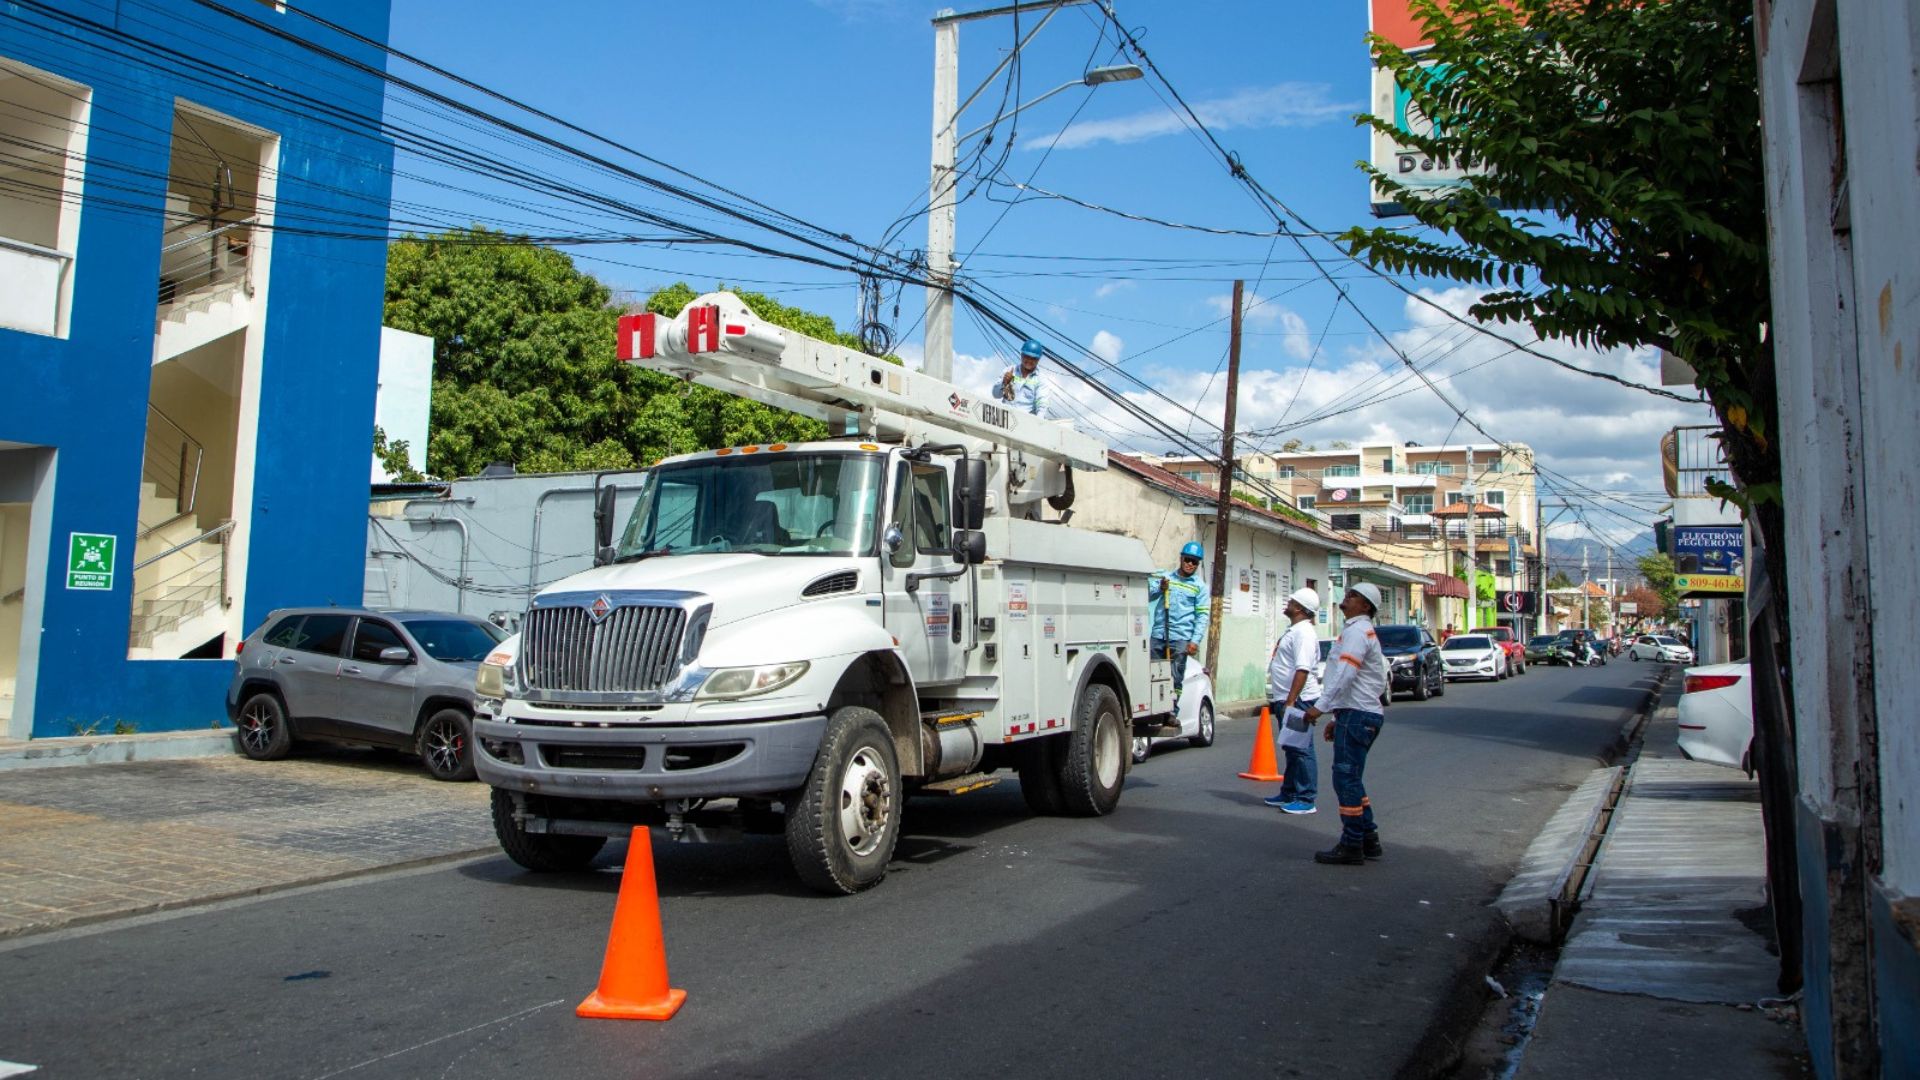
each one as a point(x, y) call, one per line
point(1612, 618)
point(1586, 578)
point(1223, 509)
point(938, 359)
point(1473, 570)
point(946, 115)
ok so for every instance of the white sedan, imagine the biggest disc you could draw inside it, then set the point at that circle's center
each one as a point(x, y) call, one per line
point(1474, 656)
point(1660, 647)
point(1195, 715)
point(1716, 715)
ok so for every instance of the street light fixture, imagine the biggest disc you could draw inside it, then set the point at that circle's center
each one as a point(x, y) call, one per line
point(946, 112)
point(1096, 77)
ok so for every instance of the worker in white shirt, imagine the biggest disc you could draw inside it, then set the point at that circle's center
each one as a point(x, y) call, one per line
point(1356, 677)
point(1291, 690)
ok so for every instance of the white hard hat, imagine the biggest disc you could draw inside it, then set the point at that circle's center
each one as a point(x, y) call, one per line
point(1368, 592)
point(1306, 598)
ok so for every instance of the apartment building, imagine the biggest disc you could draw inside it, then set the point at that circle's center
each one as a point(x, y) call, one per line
point(189, 335)
point(1408, 503)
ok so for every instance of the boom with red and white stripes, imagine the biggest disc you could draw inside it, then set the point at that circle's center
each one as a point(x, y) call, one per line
point(717, 341)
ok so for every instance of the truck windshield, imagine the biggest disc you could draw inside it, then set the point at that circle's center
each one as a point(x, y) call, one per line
point(774, 504)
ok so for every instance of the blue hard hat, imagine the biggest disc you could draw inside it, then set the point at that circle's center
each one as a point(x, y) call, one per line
point(1033, 348)
point(1193, 550)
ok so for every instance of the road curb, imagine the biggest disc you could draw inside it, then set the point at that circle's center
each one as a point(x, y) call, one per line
point(1444, 1041)
point(12, 937)
point(1530, 902)
point(1537, 901)
point(116, 749)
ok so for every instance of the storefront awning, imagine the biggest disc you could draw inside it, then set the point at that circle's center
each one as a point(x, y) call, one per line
point(1446, 585)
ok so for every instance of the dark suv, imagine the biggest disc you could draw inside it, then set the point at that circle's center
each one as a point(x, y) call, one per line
point(1414, 661)
point(400, 679)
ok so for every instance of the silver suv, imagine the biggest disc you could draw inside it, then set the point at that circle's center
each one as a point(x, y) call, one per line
point(400, 679)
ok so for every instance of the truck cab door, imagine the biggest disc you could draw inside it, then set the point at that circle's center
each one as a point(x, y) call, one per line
point(924, 616)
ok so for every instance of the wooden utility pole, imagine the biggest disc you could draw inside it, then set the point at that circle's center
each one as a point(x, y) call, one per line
point(1223, 509)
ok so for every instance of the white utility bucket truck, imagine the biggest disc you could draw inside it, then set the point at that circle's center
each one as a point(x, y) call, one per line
point(796, 637)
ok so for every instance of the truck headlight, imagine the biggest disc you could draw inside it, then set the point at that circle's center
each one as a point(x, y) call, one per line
point(739, 682)
point(493, 676)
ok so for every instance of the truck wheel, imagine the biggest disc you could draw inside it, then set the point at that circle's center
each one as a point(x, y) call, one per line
point(841, 827)
point(1094, 764)
point(544, 853)
point(1420, 691)
point(1039, 766)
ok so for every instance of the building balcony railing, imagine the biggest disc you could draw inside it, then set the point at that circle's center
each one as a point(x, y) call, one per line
point(35, 277)
point(1453, 532)
point(1691, 456)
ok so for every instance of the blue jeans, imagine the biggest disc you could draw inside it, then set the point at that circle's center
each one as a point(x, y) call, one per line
point(1302, 773)
point(1159, 646)
point(1353, 733)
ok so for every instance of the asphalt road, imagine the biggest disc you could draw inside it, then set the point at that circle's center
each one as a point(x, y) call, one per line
point(1189, 934)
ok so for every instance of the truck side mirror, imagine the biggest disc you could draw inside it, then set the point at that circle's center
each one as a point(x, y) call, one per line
point(970, 492)
point(603, 525)
point(970, 546)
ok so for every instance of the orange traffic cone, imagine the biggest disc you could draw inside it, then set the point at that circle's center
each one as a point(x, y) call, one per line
point(1263, 766)
point(633, 979)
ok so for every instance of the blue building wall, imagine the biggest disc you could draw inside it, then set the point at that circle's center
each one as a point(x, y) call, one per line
point(86, 395)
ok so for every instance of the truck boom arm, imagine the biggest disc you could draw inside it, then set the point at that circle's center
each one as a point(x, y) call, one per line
point(718, 342)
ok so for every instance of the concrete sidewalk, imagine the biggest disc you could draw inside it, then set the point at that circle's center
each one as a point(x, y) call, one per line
point(82, 844)
point(1663, 974)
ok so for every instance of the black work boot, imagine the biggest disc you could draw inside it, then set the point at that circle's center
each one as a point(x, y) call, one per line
point(1341, 854)
point(1371, 846)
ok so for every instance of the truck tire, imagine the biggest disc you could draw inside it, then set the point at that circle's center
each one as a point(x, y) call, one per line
point(1094, 764)
point(1040, 776)
point(841, 827)
point(545, 853)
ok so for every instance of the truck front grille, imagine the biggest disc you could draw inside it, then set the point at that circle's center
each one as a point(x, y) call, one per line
point(635, 649)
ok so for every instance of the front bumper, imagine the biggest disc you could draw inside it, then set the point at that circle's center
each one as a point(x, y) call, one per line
point(647, 762)
point(1486, 670)
point(1405, 679)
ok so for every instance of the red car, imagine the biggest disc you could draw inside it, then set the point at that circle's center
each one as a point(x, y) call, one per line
point(1516, 649)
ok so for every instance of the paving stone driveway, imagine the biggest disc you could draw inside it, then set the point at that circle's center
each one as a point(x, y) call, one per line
point(84, 843)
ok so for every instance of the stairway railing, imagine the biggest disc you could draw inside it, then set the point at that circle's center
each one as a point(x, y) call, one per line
point(172, 465)
point(209, 261)
point(162, 605)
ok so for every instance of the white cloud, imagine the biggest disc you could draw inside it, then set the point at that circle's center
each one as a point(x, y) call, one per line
point(1107, 346)
point(1289, 104)
point(1111, 287)
point(1262, 311)
point(1299, 340)
point(1595, 433)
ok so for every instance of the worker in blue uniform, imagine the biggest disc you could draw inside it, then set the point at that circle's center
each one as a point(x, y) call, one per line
point(1180, 607)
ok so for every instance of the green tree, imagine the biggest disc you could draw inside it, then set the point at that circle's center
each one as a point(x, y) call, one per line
point(1627, 135)
point(524, 367)
point(1559, 580)
point(393, 457)
point(1657, 570)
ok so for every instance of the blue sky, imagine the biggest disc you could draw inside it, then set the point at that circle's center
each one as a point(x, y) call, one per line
point(822, 109)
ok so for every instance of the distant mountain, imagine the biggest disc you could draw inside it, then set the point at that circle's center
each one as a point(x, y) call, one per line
point(1564, 555)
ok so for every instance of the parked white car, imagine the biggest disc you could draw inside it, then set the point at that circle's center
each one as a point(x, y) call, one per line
point(1474, 656)
point(1659, 647)
point(1716, 715)
point(1195, 715)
